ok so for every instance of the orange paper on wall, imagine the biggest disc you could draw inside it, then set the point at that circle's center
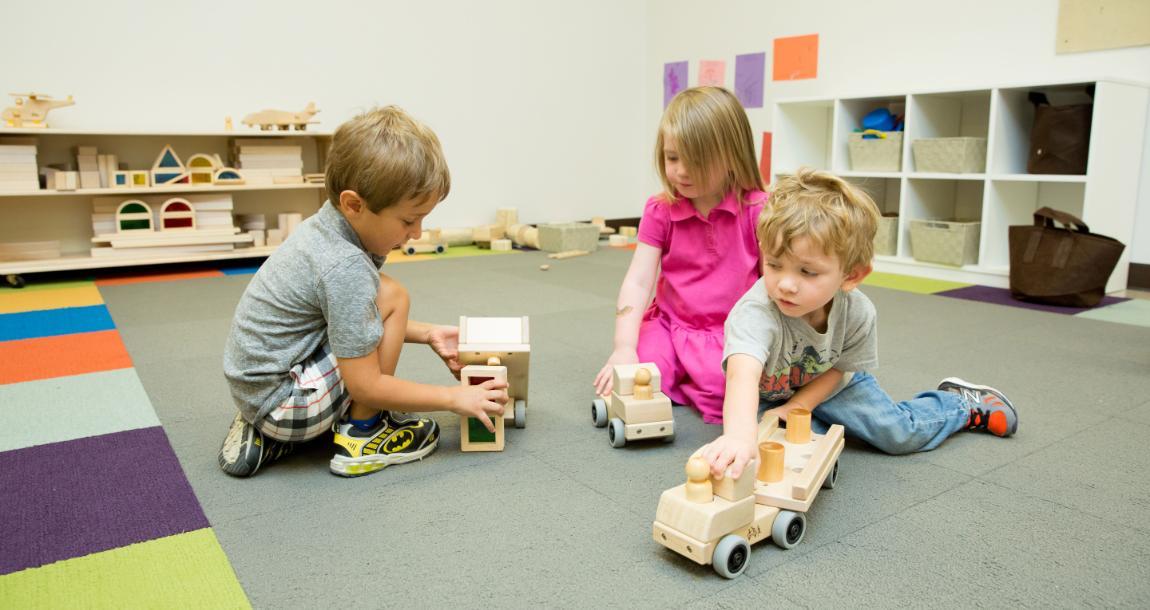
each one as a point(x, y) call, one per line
point(796, 58)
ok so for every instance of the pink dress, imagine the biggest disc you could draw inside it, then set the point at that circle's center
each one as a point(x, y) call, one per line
point(707, 264)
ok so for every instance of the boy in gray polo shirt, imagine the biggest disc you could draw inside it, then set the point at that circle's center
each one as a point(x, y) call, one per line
point(317, 334)
point(804, 338)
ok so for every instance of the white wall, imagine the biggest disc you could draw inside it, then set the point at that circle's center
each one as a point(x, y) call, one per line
point(881, 46)
point(539, 103)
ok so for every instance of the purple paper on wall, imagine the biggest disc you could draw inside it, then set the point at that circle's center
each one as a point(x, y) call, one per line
point(749, 71)
point(674, 80)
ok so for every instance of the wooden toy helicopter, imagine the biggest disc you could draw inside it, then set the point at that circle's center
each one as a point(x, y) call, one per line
point(31, 109)
point(282, 119)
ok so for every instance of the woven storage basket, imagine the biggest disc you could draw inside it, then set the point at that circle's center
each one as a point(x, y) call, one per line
point(949, 242)
point(886, 238)
point(951, 155)
point(876, 154)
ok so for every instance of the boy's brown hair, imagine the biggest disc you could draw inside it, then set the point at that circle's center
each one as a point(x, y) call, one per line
point(386, 156)
point(712, 130)
point(837, 216)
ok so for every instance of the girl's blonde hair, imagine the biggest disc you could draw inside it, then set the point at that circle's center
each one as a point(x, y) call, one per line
point(838, 217)
point(386, 156)
point(711, 131)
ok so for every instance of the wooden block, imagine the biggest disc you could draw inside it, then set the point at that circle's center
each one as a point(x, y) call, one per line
point(473, 435)
point(565, 237)
point(491, 330)
point(501, 245)
point(567, 254)
point(733, 489)
point(121, 180)
point(633, 411)
point(275, 237)
point(706, 522)
point(623, 378)
point(618, 240)
point(628, 231)
point(140, 178)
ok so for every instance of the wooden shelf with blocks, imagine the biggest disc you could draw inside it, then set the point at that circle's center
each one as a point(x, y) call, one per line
point(239, 173)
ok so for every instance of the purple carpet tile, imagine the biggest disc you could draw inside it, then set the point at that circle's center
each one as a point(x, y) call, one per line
point(83, 496)
point(1001, 296)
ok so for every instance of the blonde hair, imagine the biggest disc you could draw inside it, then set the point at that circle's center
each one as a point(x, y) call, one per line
point(712, 131)
point(386, 156)
point(838, 217)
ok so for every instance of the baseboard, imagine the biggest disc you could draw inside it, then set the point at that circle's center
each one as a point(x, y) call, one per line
point(1139, 277)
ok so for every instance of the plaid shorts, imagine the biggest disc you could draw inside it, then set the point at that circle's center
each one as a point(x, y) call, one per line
point(317, 401)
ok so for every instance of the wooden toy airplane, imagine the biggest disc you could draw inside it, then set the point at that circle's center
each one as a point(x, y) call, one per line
point(637, 409)
point(32, 111)
point(716, 522)
point(282, 119)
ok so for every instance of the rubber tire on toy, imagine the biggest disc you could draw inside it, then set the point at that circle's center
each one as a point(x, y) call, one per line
point(832, 477)
point(615, 432)
point(15, 281)
point(788, 529)
point(732, 555)
point(409, 250)
point(599, 412)
point(439, 250)
point(520, 413)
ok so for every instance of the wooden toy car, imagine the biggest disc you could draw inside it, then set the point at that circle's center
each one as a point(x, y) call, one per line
point(716, 522)
point(282, 119)
point(636, 409)
point(508, 341)
point(429, 241)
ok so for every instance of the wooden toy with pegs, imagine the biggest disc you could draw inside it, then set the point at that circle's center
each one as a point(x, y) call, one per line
point(636, 408)
point(282, 119)
point(769, 500)
point(31, 109)
point(473, 435)
point(507, 339)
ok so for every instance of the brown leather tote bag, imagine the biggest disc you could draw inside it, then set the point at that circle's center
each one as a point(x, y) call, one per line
point(1060, 137)
point(1065, 266)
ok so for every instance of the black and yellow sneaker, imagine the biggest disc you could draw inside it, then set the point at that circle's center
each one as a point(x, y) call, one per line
point(395, 440)
point(245, 449)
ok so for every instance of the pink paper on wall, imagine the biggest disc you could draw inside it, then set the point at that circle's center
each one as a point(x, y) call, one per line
point(712, 72)
point(796, 58)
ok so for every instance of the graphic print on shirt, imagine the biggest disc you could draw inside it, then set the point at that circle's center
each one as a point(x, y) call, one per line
point(797, 370)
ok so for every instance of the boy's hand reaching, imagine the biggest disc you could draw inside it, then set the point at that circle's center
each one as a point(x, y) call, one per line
point(444, 340)
point(729, 450)
point(603, 380)
point(480, 401)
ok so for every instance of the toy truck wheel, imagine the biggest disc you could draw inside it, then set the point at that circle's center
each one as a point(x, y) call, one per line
point(732, 555)
point(615, 433)
point(832, 478)
point(409, 250)
point(15, 281)
point(520, 413)
point(439, 249)
point(599, 412)
point(788, 529)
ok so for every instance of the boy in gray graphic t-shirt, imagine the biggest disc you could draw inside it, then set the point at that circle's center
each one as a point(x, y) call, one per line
point(317, 335)
point(803, 336)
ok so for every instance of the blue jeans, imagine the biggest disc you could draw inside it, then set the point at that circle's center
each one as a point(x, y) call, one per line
point(868, 413)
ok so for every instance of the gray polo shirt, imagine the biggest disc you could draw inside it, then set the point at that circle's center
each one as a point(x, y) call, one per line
point(320, 285)
point(791, 351)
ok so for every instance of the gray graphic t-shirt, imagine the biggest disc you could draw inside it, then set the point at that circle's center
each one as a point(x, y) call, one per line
point(320, 285)
point(791, 351)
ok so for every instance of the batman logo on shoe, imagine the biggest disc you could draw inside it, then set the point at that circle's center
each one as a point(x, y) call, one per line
point(399, 441)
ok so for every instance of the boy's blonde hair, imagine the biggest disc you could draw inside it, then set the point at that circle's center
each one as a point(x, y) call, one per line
point(711, 130)
point(838, 217)
point(386, 156)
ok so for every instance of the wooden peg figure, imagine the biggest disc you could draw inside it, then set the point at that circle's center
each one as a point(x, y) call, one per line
point(771, 459)
point(699, 488)
point(798, 426)
point(642, 389)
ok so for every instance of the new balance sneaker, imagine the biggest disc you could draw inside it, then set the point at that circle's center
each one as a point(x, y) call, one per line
point(990, 410)
point(397, 439)
point(245, 449)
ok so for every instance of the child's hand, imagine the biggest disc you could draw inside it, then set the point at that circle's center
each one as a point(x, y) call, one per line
point(479, 401)
point(780, 412)
point(728, 450)
point(444, 340)
point(603, 380)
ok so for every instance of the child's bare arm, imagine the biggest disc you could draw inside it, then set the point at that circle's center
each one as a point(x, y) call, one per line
point(368, 386)
point(634, 296)
point(737, 446)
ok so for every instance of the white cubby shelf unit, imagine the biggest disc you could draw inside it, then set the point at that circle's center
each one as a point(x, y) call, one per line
point(814, 133)
point(66, 216)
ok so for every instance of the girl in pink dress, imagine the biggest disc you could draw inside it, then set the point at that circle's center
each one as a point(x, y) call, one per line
point(697, 252)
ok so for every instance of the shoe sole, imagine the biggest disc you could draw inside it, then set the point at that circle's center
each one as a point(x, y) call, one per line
point(955, 381)
point(357, 467)
point(232, 457)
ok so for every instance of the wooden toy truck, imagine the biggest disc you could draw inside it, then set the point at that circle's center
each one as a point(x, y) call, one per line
point(429, 241)
point(716, 522)
point(636, 408)
point(507, 340)
point(282, 119)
